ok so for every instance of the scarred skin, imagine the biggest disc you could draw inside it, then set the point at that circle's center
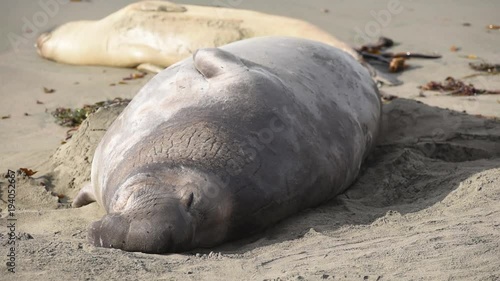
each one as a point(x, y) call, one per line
point(162, 33)
point(230, 141)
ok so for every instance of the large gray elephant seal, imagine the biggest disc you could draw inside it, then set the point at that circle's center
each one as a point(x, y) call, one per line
point(230, 141)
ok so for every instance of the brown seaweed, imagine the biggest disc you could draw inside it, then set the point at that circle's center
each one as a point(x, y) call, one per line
point(68, 117)
point(456, 87)
point(397, 65)
point(48, 90)
point(26, 171)
point(394, 61)
point(409, 55)
point(134, 76)
point(375, 48)
point(485, 67)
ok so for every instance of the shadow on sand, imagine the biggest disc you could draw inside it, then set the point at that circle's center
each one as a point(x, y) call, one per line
point(423, 154)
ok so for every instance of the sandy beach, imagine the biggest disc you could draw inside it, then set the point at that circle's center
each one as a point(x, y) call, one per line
point(425, 207)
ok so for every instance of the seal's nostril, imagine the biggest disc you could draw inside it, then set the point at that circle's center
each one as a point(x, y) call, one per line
point(41, 40)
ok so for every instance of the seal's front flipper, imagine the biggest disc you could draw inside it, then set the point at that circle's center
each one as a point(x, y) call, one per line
point(149, 67)
point(159, 6)
point(84, 197)
point(138, 55)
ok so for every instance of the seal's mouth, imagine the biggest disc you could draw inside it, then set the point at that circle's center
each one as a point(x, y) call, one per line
point(40, 41)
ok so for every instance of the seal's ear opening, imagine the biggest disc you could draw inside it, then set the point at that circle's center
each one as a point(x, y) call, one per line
point(212, 62)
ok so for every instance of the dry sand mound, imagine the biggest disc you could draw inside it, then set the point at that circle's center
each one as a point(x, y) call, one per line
point(426, 207)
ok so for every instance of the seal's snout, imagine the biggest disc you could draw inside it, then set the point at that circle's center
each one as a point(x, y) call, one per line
point(109, 232)
point(119, 231)
point(41, 41)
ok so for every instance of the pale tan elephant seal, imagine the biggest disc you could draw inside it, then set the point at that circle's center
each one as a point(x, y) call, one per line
point(230, 141)
point(161, 33)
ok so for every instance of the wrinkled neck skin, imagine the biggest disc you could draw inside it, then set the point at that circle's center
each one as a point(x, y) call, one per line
point(164, 211)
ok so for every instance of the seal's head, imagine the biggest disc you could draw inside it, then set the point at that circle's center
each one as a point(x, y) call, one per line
point(167, 226)
point(163, 212)
point(65, 44)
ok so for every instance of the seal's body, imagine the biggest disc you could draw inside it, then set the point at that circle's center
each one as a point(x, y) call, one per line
point(230, 141)
point(162, 33)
